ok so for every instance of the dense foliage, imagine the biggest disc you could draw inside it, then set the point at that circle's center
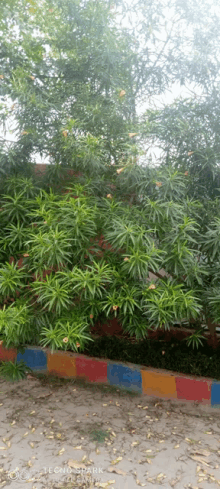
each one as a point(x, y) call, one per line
point(74, 75)
point(86, 258)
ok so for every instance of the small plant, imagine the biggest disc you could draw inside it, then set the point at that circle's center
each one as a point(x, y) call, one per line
point(196, 339)
point(99, 435)
point(14, 371)
point(15, 324)
point(70, 332)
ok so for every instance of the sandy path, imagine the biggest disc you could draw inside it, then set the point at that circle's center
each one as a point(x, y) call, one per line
point(57, 434)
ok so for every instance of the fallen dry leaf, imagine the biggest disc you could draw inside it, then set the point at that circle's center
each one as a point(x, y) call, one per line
point(43, 396)
point(205, 453)
point(140, 483)
point(104, 484)
point(61, 451)
point(78, 448)
point(199, 459)
point(117, 471)
point(75, 464)
point(160, 476)
point(116, 461)
point(174, 481)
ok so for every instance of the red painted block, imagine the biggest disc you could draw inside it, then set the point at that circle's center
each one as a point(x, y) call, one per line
point(194, 390)
point(7, 354)
point(90, 369)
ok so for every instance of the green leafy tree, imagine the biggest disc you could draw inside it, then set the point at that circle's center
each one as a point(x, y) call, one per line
point(73, 74)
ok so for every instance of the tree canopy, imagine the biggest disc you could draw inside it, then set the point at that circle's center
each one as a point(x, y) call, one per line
point(74, 75)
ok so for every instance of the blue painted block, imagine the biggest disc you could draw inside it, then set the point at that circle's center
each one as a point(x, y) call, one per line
point(125, 377)
point(35, 359)
point(215, 394)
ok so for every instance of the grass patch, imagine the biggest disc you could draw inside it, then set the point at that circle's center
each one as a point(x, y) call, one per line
point(95, 432)
point(99, 436)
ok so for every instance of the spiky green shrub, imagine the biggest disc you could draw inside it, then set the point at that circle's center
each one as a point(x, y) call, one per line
point(14, 371)
point(88, 258)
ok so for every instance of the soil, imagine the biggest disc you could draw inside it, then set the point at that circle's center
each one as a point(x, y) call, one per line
point(57, 433)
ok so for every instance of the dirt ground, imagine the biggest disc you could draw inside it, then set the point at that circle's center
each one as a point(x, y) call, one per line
point(67, 434)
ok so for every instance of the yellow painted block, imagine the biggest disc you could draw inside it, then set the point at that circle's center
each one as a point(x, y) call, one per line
point(158, 384)
point(62, 364)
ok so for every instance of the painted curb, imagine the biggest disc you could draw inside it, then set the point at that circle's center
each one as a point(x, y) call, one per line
point(158, 383)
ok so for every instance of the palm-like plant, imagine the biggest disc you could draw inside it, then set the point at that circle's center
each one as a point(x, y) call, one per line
point(101, 277)
point(14, 371)
point(53, 293)
point(49, 248)
point(12, 280)
point(69, 332)
point(15, 325)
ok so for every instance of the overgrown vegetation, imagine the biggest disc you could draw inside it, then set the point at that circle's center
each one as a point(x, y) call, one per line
point(70, 257)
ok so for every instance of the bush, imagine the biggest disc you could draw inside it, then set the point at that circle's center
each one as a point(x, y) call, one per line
point(174, 355)
point(14, 371)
